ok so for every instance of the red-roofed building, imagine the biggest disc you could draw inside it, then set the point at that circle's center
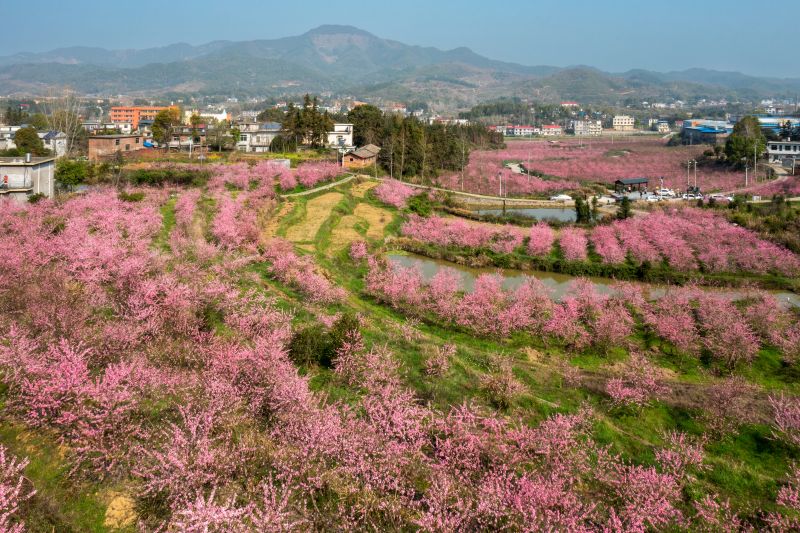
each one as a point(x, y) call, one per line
point(569, 104)
point(552, 130)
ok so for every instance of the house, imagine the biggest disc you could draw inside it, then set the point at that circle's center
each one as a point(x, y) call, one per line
point(517, 130)
point(7, 137)
point(187, 137)
point(777, 151)
point(622, 123)
point(592, 128)
point(119, 127)
point(101, 146)
point(134, 114)
point(662, 126)
point(207, 116)
point(363, 157)
point(569, 104)
point(342, 135)
point(21, 177)
point(55, 141)
point(551, 130)
point(257, 137)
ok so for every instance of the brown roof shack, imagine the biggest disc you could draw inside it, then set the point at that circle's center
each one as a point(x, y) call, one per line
point(101, 146)
point(363, 157)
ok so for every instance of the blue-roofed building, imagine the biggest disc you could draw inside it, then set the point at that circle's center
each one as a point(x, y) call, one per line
point(705, 131)
point(776, 123)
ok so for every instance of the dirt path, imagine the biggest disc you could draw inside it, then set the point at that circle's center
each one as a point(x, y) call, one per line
point(361, 189)
point(317, 211)
point(271, 227)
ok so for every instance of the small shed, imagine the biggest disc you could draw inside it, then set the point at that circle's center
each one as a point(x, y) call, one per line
point(629, 184)
point(363, 157)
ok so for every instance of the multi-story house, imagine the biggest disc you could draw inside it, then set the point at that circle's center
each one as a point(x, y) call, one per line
point(623, 123)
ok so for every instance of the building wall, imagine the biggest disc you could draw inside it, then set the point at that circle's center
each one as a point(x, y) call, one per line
point(134, 114)
point(623, 123)
point(100, 147)
point(351, 161)
point(34, 178)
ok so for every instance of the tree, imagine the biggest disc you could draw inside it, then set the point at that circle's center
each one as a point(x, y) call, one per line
point(71, 173)
point(64, 115)
point(367, 123)
point(163, 124)
point(624, 210)
point(272, 115)
point(746, 141)
point(28, 141)
point(38, 121)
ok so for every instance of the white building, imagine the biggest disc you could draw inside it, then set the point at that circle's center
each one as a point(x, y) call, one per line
point(662, 126)
point(125, 128)
point(551, 130)
point(780, 150)
point(623, 123)
point(21, 177)
point(591, 128)
point(256, 137)
point(207, 116)
point(55, 141)
point(342, 135)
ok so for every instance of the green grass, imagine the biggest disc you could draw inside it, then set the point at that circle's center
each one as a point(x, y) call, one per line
point(61, 503)
point(167, 223)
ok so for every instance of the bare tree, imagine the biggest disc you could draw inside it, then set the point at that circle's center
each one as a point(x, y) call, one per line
point(62, 108)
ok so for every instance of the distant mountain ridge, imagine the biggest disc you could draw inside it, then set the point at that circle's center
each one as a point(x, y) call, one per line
point(345, 59)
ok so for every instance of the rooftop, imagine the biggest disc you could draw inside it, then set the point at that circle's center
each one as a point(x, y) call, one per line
point(632, 181)
point(20, 161)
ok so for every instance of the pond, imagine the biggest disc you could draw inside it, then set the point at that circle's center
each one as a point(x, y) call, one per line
point(539, 213)
point(558, 284)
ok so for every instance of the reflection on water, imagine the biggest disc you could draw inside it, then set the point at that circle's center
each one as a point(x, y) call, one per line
point(558, 284)
point(539, 213)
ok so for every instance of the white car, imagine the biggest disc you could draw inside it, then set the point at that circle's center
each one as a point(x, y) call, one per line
point(561, 198)
point(721, 198)
point(668, 193)
point(652, 198)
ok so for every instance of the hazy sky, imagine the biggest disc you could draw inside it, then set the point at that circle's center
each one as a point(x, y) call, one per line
point(615, 35)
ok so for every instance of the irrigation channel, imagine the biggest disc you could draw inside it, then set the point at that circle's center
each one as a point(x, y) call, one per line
point(558, 284)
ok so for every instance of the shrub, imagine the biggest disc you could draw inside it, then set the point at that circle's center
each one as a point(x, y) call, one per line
point(131, 196)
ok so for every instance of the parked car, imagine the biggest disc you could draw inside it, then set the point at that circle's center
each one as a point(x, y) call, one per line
point(561, 198)
point(668, 193)
point(686, 196)
point(721, 197)
point(652, 198)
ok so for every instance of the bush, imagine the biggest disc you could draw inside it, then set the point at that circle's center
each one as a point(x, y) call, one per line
point(131, 196)
point(35, 198)
point(421, 205)
point(314, 345)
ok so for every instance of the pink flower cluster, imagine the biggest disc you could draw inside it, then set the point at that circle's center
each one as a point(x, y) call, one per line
point(394, 192)
point(14, 490)
point(600, 160)
point(688, 238)
point(172, 375)
point(314, 172)
point(458, 232)
point(300, 272)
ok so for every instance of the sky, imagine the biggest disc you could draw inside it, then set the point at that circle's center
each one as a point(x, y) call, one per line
point(612, 35)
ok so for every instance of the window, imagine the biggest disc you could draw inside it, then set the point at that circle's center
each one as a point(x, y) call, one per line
point(137, 140)
point(127, 147)
point(116, 142)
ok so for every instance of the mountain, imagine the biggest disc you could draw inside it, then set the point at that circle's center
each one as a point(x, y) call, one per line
point(348, 60)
